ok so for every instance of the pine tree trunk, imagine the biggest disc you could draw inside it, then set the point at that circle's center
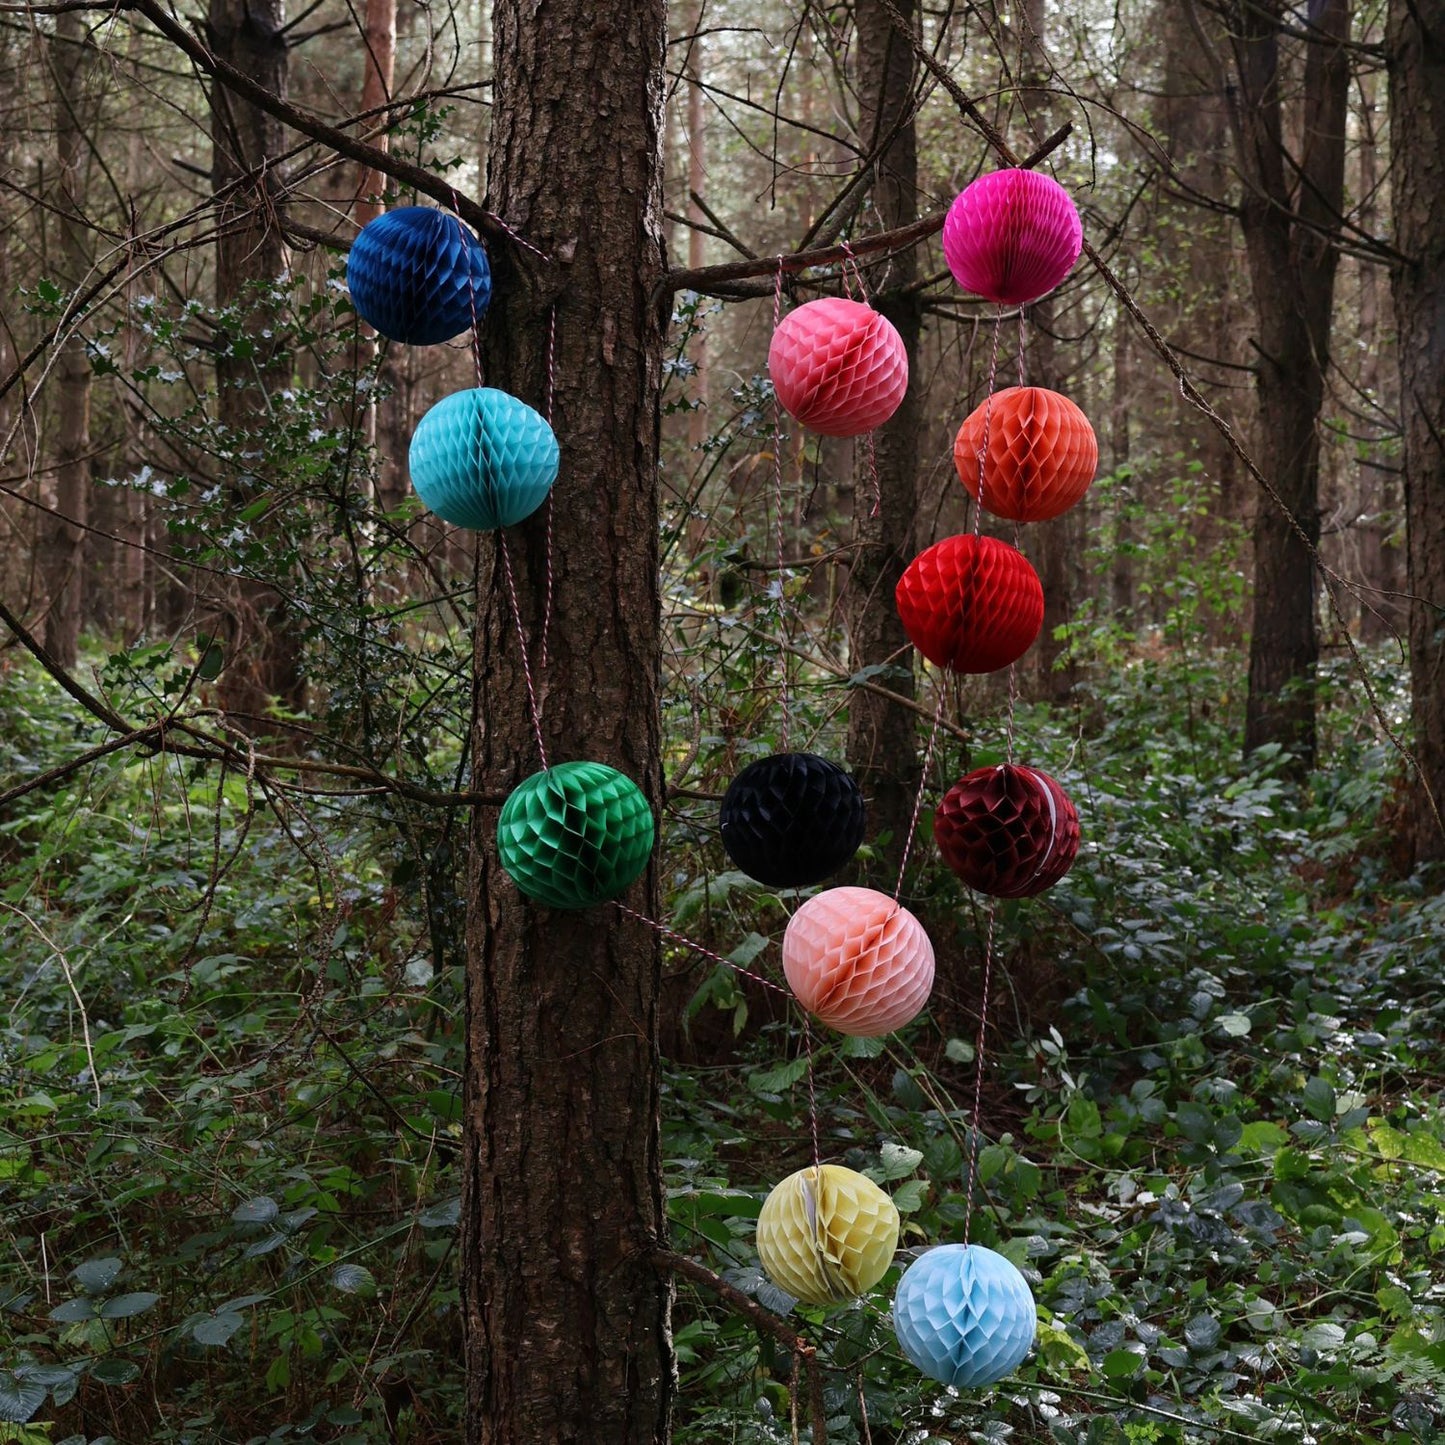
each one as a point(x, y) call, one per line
point(882, 745)
point(1287, 224)
point(263, 655)
point(567, 1335)
point(63, 539)
point(1416, 44)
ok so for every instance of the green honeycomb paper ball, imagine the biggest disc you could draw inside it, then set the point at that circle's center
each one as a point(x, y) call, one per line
point(575, 835)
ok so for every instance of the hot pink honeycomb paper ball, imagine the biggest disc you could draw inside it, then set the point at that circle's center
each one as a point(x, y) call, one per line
point(838, 367)
point(1012, 236)
point(858, 961)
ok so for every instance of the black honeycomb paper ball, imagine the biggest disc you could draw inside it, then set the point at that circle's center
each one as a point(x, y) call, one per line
point(792, 819)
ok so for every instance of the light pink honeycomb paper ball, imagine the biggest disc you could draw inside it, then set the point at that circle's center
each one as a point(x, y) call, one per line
point(858, 961)
point(1012, 236)
point(838, 367)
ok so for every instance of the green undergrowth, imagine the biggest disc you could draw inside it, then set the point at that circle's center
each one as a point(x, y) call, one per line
point(1210, 1130)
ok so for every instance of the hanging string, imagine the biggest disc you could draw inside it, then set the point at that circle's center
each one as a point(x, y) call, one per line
point(684, 942)
point(989, 932)
point(918, 800)
point(978, 1071)
point(812, 1091)
point(780, 581)
point(484, 468)
point(1023, 346)
point(547, 413)
point(987, 417)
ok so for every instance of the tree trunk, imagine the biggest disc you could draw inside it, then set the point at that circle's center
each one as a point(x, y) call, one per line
point(1288, 224)
point(697, 419)
point(263, 656)
point(882, 746)
point(1416, 44)
point(63, 542)
point(567, 1334)
point(379, 72)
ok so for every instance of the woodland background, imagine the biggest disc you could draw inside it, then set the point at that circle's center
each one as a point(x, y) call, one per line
point(242, 721)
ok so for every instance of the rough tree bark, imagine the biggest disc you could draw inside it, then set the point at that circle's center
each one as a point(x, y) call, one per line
point(263, 656)
point(63, 537)
point(882, 747)
point(1416, 45)
point(1289, 214)
point(567, 1335)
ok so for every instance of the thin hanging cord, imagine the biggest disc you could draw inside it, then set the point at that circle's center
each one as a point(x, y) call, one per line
point(987, 418)
point(780, 581)
point(484, 469)
point(812, 1091)
point(547, 413)
point(918, 800)
point(532, 707)
point(1023, 347)
point(688, 943)
point(978, 1071)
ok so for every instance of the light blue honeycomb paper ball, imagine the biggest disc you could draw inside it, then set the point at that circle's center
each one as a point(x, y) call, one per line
point(964, 1315)
point(418, 275)
point(482, 459)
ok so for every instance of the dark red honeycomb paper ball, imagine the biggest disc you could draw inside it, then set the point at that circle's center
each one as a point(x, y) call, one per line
point(1009, 831)
point(971, 604)
point(792, 819)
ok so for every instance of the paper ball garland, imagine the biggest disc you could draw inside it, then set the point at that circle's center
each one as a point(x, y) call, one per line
point(482, 459)
point(1012, 236)
point(970, 603)
point(964, 1315)
point(1042, 453)
point(858, 961)
point(1009, 831)
point(792, 819)
point(827, 1234)
point(418, 276)
point(838, 366)
point(575, 835)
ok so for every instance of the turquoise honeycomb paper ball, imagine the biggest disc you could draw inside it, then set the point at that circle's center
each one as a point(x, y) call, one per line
point(575, 835)
point(964, 1315)
point(419, 276)
point(481, 459)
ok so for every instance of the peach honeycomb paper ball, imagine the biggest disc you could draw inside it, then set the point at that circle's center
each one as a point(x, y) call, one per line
point(1012, 236)
point(970, 603)
point(858, 961)
point(838, 367)
point(1042, 453)
point(827, 1234)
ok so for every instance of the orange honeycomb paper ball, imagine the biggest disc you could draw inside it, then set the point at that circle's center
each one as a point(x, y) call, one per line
point(858, 961)
point(838, 367)
point(1042, 454)
point(971, 604)
point(1009, 831)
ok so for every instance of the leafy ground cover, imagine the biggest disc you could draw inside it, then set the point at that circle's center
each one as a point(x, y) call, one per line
point(1210, 1133)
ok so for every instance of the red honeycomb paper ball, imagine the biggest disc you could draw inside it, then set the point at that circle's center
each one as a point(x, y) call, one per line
point(838, 367)
point(1042, 453)
point(1012, 236)
point(858, 961)
point(1009, 831)
point(971, 604)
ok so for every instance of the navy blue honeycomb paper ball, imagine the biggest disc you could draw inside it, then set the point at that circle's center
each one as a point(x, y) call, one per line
point(419, 276)
point(792, 819)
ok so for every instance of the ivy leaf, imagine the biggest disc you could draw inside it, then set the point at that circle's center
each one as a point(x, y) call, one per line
point(123, 1306)
point(96, 1276)
point(1319, 1100)
point(218, 1328)
point(354, 1279)
point(899, 1161)
point(19, 1399)
point(260, 1210)
point(73, 1310)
